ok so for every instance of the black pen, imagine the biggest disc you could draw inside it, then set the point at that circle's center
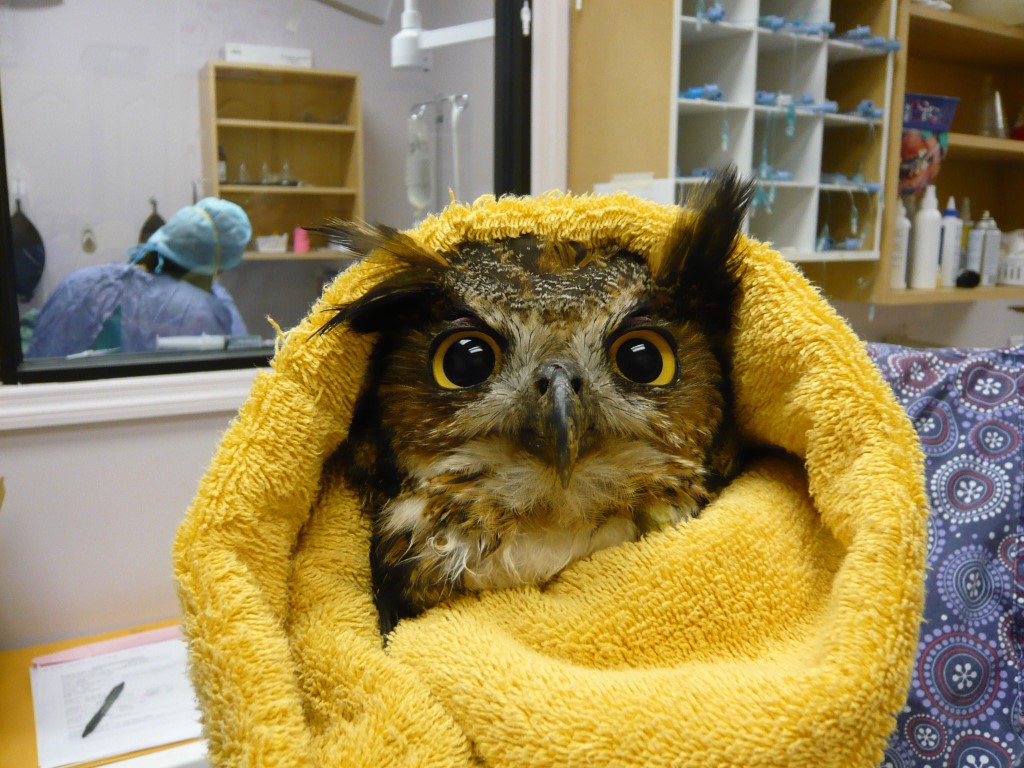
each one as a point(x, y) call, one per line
point(104, 707)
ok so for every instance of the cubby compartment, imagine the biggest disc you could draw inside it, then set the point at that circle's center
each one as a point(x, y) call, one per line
point(807, 11)
point(853, 148)
point(788, 221)
point(850, 82)
point(796, 68)
point(743, 12)
point(849, 215)
point(712, 136)
point(877, 16)
point(775, 151)
point(726, 60)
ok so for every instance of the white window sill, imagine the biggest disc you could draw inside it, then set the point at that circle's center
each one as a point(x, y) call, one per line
point(34, 406)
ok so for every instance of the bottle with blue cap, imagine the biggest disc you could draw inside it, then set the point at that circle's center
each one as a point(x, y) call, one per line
point(949, 260)
point(900, 248)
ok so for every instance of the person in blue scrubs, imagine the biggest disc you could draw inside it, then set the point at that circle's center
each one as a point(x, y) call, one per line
point(167, 288)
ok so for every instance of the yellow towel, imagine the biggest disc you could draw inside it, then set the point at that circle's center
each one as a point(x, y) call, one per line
point(776, 629)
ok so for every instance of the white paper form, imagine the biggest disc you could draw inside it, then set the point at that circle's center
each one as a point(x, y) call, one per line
point(156, 706)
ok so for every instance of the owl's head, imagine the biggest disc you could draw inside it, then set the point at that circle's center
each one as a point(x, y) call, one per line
point(528, 383)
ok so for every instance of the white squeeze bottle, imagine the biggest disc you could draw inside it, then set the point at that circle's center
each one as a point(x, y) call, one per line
point(900, 247)
point(949, 259)
point(924, 260)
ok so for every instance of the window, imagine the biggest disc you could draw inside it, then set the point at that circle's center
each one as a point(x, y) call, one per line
point(100, 118)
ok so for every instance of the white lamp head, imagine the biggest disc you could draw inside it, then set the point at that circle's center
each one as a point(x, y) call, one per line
point(406, 52)
point(406, 47)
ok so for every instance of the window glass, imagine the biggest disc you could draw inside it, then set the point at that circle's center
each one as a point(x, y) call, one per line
point(120, 116)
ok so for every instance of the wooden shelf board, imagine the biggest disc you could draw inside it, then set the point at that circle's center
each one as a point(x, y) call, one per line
point(769, 41)
point(692, 180)
point(854, 188)
point(762, 111)
point(690, 34)
point(950, 295)
point(952, 36)
point(832, 256)
point(322, 254)
point(276, 73)
point(835, 120)
point(281, 125)
point(968, 146)
point(704, 106)
point(844, 50)
point(803, 186)
point(274, 189)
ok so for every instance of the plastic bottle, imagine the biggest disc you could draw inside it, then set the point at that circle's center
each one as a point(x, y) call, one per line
point(990, 254)
point(992, 119)
point(976, 243)
point(949, 259)
point(222, 165)
point(1017, 132)
point(965, 216)
point(924, 260)
point(900, 248)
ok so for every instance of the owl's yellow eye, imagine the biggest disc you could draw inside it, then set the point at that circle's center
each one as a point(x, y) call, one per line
point(465, 358)
point(644, 356)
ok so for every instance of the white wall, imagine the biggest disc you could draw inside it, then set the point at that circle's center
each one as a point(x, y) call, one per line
point(101, 112)
point(87, 523)
point(97, 476)
point(968, 324)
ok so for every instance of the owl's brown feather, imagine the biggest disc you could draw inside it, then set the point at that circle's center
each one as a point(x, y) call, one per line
point(515, 417)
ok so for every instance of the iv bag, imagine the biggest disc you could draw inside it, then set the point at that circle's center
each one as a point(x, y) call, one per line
point(420, 166)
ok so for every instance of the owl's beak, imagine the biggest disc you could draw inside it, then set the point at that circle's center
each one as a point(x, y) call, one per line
point(559, 420)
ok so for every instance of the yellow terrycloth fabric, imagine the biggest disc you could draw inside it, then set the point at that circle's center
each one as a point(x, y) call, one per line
point(777, 629)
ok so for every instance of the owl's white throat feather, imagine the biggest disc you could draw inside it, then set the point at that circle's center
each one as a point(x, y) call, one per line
point(531, 527)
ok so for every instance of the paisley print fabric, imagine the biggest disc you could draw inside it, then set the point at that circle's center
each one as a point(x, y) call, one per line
point(964, 708)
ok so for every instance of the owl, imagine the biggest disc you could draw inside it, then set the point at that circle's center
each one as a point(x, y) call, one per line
point(529, 401)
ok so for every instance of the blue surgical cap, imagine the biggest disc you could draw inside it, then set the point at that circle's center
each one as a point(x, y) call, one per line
point(207, 238)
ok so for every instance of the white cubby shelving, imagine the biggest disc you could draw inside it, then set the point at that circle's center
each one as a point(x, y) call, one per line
point(775, 142)
point(650, 125)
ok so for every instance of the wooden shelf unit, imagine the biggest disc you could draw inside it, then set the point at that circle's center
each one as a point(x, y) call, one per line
point(266, 117)
point(949, 54)
point(632, 96)
point(950, 36)
point(966, 146)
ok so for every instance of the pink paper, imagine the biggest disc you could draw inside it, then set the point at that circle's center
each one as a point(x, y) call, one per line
point(109, 646)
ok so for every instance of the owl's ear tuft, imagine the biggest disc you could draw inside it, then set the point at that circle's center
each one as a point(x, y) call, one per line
point(701, 264)
point(361, 239)
point(397, 301)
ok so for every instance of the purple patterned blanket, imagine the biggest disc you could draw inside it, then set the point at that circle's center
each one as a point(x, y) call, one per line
point(964, 706)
